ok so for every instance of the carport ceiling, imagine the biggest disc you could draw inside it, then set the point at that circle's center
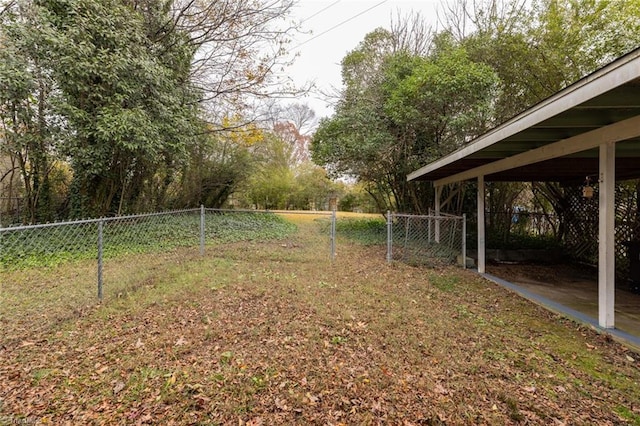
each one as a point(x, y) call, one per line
point(609, 96)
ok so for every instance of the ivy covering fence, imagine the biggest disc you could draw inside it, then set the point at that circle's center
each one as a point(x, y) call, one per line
point(47, 245)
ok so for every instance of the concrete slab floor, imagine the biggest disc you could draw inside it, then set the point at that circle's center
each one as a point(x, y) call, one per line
point(574, 287)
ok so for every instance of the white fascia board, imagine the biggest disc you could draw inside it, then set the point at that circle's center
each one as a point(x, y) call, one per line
point(617, 73)
point(622, 130)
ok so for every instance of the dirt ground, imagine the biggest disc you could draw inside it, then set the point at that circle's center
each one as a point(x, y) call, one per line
point(575, 286)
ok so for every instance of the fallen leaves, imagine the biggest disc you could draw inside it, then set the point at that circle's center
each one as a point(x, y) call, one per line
point(439, 389)
point(100, 369)
point(171, 379)
point(385, 348)
point(310, 399)
point(118, 387)
point(281, 404)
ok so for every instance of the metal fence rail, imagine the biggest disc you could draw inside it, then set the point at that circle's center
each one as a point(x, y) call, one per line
point(50, 244)
point(426, 239)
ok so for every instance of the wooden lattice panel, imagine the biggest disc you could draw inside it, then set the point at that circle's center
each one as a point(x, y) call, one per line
point(581, 221)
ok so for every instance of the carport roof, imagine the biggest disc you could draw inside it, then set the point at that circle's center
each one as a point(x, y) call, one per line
point(558, 138)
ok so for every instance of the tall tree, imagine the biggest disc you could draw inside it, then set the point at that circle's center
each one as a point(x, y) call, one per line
point(400, 111)
point(298, 143)
point(354, 141)
point(122, 96)
point(30, 127)
point(539, 47)
point(130, 83)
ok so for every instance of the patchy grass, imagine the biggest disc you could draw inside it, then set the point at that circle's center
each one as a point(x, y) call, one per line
point(274, 333)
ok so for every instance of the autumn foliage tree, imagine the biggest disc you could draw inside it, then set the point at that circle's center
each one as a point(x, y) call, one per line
point(283, 177)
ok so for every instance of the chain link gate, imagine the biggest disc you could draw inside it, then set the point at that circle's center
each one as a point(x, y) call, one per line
point(426, 239)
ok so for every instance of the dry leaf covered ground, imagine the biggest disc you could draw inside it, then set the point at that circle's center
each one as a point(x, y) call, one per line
point(274, 333)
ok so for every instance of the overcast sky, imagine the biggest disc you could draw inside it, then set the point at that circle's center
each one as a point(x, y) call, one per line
point(321, 51)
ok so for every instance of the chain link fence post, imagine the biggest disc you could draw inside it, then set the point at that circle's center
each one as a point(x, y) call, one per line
point(464, 241)
point(407, 227)
point(100, 252)
point(333, 235)
point(389, 236)
point(202, 229)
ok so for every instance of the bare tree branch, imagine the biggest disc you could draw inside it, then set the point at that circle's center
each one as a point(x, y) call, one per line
point(411, 33)
point(238, 47)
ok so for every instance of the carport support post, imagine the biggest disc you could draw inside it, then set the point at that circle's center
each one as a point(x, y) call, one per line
point(481, 238)
point(606, 241)
point(437, 207)
point(464, 241)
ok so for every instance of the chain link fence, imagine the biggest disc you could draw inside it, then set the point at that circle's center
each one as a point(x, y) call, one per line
point(430, 240)
point(48, 245)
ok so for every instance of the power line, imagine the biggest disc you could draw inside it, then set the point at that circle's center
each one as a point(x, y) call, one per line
point(340, 24)
point(320, 11)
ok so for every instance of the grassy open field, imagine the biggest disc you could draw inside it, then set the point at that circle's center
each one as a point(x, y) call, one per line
point(273, 332)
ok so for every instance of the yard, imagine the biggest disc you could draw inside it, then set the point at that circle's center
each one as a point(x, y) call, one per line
point(273, 332)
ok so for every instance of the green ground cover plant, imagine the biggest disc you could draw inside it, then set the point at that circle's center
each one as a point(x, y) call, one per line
point(368, 231)
point(47, 246)
point(273, 332)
